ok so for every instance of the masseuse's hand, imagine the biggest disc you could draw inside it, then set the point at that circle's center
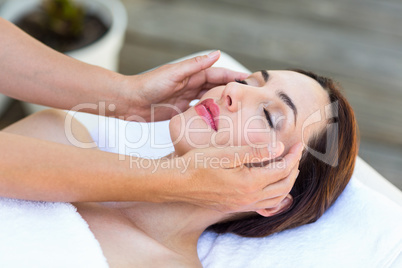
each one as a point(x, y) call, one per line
point(170, 88)
point(218, 179)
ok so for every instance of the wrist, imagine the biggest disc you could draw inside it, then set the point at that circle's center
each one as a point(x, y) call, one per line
point(118, 95)
point(149, 180)
point(129, 102)
point(170, 180)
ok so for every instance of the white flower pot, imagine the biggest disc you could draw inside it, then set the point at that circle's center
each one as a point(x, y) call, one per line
point(104, 52)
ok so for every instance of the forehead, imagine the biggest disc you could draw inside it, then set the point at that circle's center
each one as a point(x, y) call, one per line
point(294, 81)
point(306, 93)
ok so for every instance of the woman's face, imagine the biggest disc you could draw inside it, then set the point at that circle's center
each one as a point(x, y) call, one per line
point(268, 106)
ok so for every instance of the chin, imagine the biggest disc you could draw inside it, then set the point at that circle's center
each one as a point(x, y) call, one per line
point(176, 135)
point(179, 150)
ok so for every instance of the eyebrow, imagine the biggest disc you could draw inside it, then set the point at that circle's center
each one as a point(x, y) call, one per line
point(288, 101)
point(265, 75)
point(282, 95)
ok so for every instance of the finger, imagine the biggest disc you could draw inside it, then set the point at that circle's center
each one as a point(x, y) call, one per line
point(239, 156)
point(275, 203)
point(201, 93)
point(194, 65)
point(267, 203)
point(282, 187)
point(296, 149)
point(286, 164)
point(277, 171)
point(222, 76)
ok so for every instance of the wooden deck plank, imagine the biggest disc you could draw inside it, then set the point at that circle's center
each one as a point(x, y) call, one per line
point(385, 158)
point(336, 39)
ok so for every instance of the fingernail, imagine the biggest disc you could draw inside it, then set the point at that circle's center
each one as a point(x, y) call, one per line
point(214, 54)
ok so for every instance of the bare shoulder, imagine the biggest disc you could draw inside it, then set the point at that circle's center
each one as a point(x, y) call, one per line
point(124, 245)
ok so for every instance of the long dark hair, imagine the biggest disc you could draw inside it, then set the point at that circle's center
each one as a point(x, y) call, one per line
point(319, 182)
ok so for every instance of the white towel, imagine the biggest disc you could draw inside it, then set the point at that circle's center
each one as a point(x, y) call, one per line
point(45, 234)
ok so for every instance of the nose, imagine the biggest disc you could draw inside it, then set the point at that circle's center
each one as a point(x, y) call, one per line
point(233, 96)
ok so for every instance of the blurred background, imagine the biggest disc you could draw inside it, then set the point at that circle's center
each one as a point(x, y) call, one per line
point(356, 42)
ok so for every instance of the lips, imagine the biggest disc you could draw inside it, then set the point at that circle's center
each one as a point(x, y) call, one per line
point(209, 112)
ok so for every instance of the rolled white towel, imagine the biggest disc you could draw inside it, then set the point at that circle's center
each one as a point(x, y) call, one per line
point(45, 234)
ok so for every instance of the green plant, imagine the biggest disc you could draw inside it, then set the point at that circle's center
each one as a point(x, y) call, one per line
point(64, 17)
point(63, 25)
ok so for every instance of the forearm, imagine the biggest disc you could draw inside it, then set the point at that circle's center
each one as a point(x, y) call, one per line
point(35, 73)
point(33, 169)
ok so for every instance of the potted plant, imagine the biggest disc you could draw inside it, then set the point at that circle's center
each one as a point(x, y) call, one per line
point(72, 27)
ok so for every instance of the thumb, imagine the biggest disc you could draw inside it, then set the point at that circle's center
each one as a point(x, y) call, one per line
point(197, 64)
point(252, 156)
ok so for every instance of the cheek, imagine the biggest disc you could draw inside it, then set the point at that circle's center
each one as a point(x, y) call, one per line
point(256, 130)
point(188, 131)
point(291, 137)
point(243, 129)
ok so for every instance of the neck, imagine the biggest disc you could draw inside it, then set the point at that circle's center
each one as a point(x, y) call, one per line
point(177, 226)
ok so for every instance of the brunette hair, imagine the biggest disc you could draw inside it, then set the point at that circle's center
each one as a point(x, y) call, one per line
point(320, 181)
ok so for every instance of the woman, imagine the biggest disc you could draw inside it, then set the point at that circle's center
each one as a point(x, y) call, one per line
point(267, 107)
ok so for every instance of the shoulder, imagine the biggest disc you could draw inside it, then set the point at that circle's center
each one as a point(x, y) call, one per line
point(125, 245)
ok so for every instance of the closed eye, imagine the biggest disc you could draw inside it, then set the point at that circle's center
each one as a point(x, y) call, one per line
point(268, 116)
point(241, 81)
point(266, 112)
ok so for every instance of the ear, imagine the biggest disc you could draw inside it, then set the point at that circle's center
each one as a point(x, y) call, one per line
point(281, 207)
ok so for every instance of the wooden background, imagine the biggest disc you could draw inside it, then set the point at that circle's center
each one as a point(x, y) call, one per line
point(356, 42)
